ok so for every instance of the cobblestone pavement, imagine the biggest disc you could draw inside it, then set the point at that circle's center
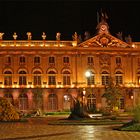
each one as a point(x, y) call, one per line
point(38, 129)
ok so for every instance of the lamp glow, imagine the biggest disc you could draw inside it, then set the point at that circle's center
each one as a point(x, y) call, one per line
point(87, 74)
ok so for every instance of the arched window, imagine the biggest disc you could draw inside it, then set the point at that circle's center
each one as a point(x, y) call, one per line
point(7, 78)
point(37, 78)
point(9, 97)
point(91, 79)
point(51, 78)
point(119, 77)
point(66, 78)
point(52, 102)
point(23, 102)
point(105, 78)
point(22, 78)
point(91, 102)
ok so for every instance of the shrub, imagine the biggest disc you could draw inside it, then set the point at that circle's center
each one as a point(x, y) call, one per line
point(7, 111)
point(136, 113)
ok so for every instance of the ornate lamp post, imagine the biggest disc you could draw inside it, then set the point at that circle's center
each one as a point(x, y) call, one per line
point(83, 98)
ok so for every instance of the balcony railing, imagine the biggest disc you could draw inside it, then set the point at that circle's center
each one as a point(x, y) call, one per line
point(37, 43)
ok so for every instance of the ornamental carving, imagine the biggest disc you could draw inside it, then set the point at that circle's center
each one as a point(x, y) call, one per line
point(104, 59)
point(104, 41)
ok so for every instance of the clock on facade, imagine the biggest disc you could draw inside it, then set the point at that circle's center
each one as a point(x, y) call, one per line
point(103, 28)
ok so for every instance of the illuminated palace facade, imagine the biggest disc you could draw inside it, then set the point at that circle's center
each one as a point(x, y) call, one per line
point(57, 69)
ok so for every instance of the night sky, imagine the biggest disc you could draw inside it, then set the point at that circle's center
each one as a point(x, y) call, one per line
point(67, 16)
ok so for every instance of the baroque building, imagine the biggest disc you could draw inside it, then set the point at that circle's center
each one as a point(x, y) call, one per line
point(54, 70)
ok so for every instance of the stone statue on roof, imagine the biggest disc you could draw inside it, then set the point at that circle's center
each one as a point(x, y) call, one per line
point(75, 36)
point(15, 36)
point(29, 35)
point(43, 36)
point(58, 36)
point(1, 36)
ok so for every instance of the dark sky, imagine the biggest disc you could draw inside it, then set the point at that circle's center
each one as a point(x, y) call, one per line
point(67, 16)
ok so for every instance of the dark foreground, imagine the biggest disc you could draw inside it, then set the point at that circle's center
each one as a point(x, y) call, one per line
point(38, 129)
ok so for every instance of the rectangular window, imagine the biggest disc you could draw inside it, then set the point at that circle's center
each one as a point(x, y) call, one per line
point(8, 80)
point(119, 80)
point(8, 60)
point(22, 59)
point(51, 59)
point(105, 80)
point(90, 80)
point(37, 60)
point(22, 80)
point(118, 60)
point(52, 80)
point(37, 80)
point(65, 59)
point(66, 80)
point(90, 60)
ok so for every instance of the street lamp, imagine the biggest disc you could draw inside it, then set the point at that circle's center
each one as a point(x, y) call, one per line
point(88, 74)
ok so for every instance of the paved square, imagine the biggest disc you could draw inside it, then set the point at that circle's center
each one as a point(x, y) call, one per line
point(38, 129)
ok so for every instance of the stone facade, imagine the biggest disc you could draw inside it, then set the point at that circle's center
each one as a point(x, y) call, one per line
point(49, 74)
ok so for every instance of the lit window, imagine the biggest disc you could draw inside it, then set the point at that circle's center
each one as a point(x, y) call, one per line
point(119, 77)
point(22, 78)
point(52, 78)
point(90, 60)
point(66, 78)
point(91, 79)
point(105, 78)
point(7, 78)
point(37, 78)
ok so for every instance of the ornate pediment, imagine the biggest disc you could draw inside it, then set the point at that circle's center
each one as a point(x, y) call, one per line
point(104, 40)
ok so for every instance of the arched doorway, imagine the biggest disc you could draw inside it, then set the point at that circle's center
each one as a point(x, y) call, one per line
point(91, 102)
point(23, 102)
point(52, 102)
point(66, 102)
